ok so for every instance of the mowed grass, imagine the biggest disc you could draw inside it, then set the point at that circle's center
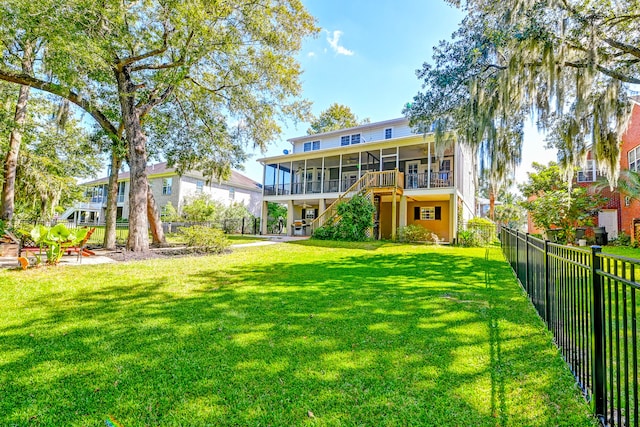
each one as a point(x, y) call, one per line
point(291, 334)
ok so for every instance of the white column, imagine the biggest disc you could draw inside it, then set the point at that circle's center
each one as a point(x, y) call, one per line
point(340, 176)
point(304, 178)
point(290, 217)
point(403, 211)
point(394, 215)
point(322, 206)
point(429, 166)
point(322, 177)
point(264, 214)
point(453, 226)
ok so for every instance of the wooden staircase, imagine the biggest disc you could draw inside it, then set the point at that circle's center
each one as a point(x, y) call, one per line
point(370, 184)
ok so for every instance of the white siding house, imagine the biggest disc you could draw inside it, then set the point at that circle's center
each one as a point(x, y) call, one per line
point(415, 182)
point(168, 186)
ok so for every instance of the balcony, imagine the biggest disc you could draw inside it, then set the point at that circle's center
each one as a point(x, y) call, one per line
point(443, 179)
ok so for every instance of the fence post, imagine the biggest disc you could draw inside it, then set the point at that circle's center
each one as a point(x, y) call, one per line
point(526, 265)
point(242, 232)
point(597, 342)
point(547, 285)
point(518, 255)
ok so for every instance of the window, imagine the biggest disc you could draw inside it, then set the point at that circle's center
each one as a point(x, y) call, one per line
point(344, 140)
point(166, 185)
point(199, 186)
point(588, 173)
point(445, 165)
point(427, 213)
point(627, 201)
point(634, 159)
point(232, 194)
point(314, 145)
point(121, 192)
point(388, 133)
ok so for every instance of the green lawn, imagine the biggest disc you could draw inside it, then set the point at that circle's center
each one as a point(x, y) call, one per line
point(625, 251)
point(283, 335)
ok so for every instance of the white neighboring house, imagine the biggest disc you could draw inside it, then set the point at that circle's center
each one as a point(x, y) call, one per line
point(167, 186)
point(408, 179)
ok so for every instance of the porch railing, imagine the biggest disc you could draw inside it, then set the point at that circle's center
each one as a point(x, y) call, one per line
point(370, 180)
point(589, 301)
point(428, 180)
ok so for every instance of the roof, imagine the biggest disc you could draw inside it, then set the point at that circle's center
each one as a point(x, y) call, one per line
point(235, 180)
point(342, 131)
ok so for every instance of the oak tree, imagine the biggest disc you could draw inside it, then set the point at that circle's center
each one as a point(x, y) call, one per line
point(208, 76)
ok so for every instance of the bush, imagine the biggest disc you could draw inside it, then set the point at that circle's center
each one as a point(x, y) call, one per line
point(483, 230)
point(324, 233)
point(466, 238)
point(356, 218)
point(416, 233)
point(623, 239)
point(201, 208)
point(205, 238)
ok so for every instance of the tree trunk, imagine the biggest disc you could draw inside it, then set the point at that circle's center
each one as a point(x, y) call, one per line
point(15, 140)
point(492, 204)
point(137, 148)
point(153, 216)
point(112, 202)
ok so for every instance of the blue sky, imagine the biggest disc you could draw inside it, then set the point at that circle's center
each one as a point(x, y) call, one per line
point(365, 57)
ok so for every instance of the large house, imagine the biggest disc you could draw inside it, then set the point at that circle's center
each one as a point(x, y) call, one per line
point(168, 187)
point(409, 180)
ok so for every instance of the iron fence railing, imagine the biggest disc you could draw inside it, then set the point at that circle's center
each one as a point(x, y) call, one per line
point(247, 225)
point(589, 301)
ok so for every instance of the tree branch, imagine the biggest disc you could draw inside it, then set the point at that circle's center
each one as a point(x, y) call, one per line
point(158, 66)
point(63, 92)
point(632, 50)
point(144, 109)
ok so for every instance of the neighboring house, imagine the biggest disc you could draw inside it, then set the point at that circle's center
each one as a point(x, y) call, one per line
point(609, 214)
point(630, 160)
point(167, 186)
point(409, 181)
point(620, 213)
point(483, 206)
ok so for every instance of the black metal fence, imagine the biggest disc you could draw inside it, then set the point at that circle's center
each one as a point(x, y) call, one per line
point(588, 300)
point(248, 225)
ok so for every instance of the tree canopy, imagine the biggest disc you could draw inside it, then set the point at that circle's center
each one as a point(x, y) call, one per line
point(336, 117)
point(197, 81)
point(567, 63)
point(552, 204)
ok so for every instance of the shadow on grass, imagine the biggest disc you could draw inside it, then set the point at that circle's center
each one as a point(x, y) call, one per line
point(377, 338)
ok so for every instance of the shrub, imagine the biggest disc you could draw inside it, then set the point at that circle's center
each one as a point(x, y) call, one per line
point(201, 208)
point(483, 230)
point(356, 218)
point(416, 233)
point(623, 239)
point(205, 238)
point(466, 238)
point(324, 233)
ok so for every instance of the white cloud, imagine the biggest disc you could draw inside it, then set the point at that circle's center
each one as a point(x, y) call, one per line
point(334, 42)
point(311, 54)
